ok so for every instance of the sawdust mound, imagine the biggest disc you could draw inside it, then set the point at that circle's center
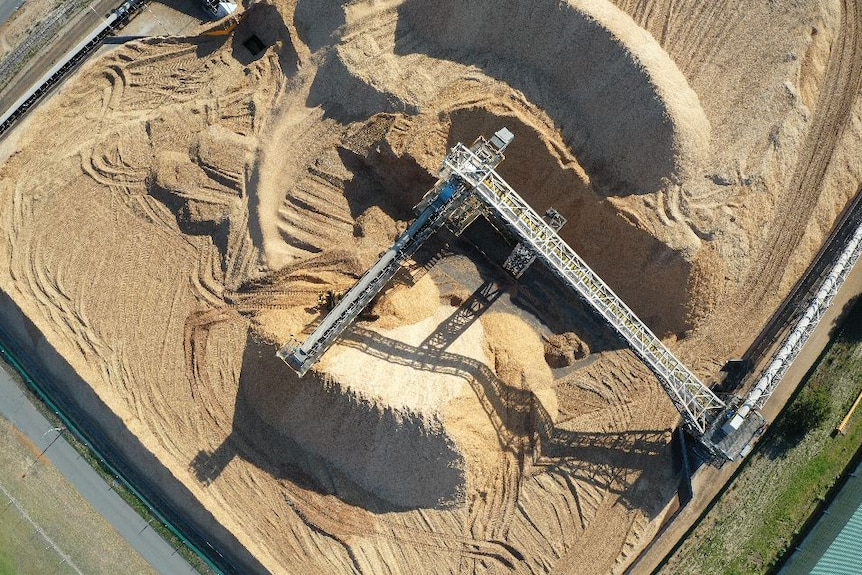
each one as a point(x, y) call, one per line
point(400, 458)
point(649, 128)
point(174, 214)
point(652, 272)
point(517, 356)
point(623, 105)
point(348, 97)
point(407, 304)
point(516, 351)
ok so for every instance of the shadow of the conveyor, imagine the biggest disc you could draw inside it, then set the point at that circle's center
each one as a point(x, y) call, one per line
point(326, 440)
point(522, 425)
point(537, 297)
point(610, 461)
point(463, 317)
point(112, 439)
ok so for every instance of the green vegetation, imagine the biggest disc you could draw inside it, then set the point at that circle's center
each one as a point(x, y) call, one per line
point(46, 526)
point(14, 552)
point(808, 412)
point(21, 553)
point(774, 493)
point(6, 565)
point(109, 476)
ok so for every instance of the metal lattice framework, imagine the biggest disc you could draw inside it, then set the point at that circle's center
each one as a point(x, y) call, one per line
point(698, 405)
point(469, 174)
point(522, 257)
point(449, 196)
point(302, 357)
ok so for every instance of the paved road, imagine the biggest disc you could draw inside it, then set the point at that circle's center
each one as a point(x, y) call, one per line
point(67, 39)
point(15, 406)
point(7, 8)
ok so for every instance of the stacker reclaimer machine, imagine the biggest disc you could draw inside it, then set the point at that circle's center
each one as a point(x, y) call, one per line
point(468, 186)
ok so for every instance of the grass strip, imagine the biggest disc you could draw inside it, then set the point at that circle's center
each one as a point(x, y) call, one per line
point(789, 475)
point(104, 470)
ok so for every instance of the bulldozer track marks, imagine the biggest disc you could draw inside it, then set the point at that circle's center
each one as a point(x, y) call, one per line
point(796, 205)
point(341, 523)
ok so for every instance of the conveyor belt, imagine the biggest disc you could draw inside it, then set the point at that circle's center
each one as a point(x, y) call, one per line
point(698, 405)
point(435, 209)
point(469, 171)
point(117, 19)
point(444, 200)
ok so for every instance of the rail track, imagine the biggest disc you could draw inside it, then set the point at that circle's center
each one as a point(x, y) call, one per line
point(116, 20)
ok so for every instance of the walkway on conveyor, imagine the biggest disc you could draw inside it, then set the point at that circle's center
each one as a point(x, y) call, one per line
point(302, 357)
point(696, 402)
point(469, 173)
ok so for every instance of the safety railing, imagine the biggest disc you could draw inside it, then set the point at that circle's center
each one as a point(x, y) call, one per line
point(696, 402)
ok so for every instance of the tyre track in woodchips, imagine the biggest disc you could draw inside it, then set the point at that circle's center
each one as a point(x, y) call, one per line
point(796, 205)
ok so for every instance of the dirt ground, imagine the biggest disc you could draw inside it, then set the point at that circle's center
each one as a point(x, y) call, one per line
point(170, 217)
point(166, 18)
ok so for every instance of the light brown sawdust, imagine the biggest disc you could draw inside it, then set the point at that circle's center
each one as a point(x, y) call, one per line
point(518, 357)
point(407, 304)
point(171, 216)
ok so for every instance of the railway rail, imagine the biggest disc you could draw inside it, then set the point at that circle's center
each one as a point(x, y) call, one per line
point(114, 21)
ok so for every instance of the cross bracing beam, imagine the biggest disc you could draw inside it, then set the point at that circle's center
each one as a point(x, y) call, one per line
point(698, 405)
point(437, 207)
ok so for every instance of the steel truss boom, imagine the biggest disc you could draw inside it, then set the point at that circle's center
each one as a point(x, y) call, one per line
point(698, 405)
point(470, 172)
point(302, 357)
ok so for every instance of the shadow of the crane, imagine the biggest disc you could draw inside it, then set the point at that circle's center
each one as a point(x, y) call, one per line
point(464, 316)
point(611, 461)
point(208, 465)
point(508, 408)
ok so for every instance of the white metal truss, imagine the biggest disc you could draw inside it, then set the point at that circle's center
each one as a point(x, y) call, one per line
point(437, 207)
point(698, 405)
point(522, 257)
point(302, 357)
